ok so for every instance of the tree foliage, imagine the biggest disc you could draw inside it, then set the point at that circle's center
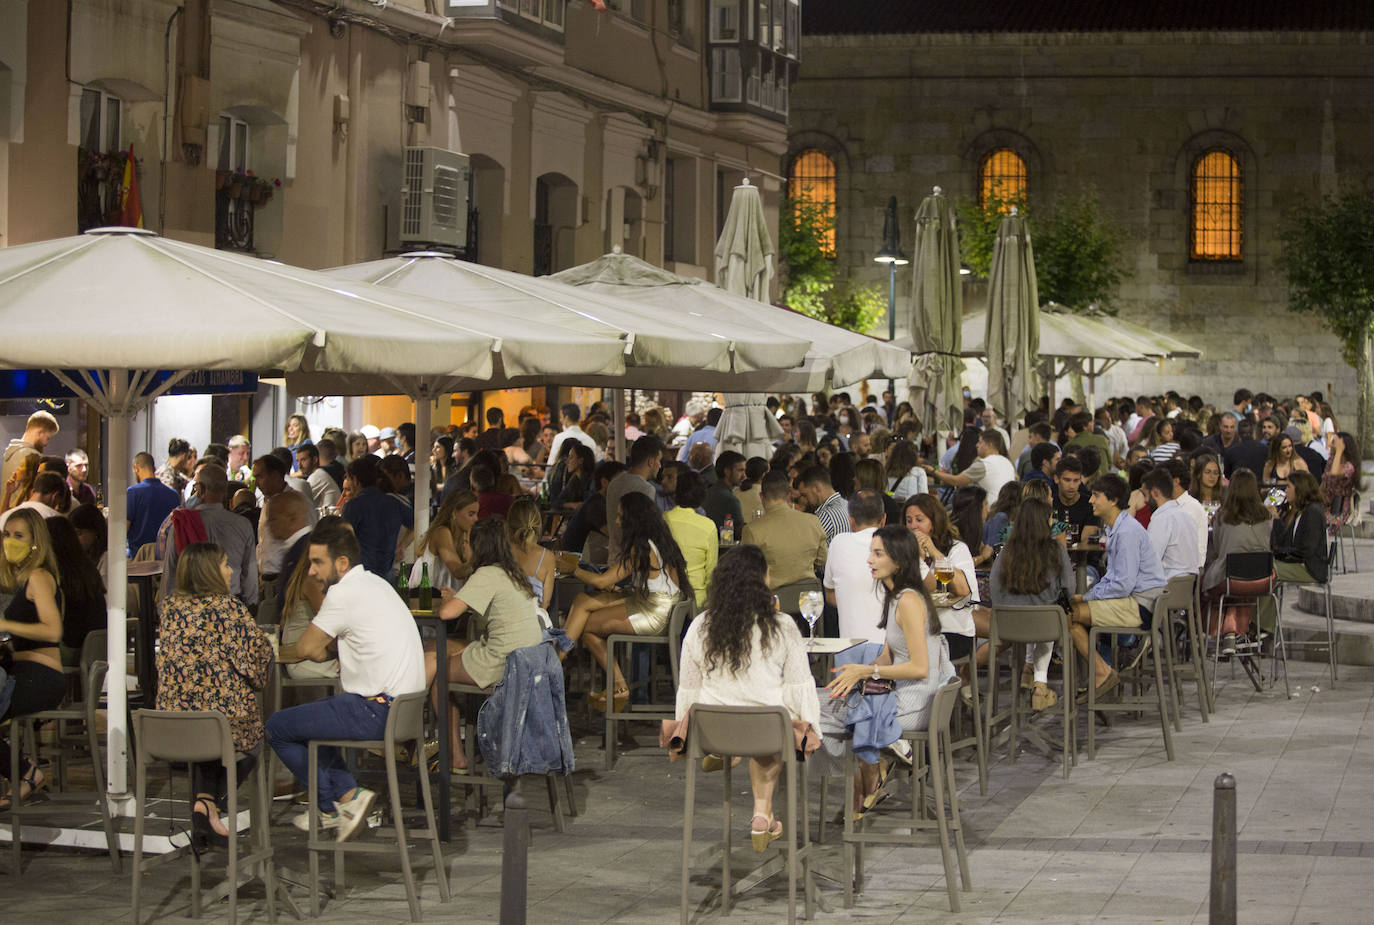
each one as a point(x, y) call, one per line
point(1078, 251)
point(1328, 256)
point(1078, 254)
point(809, 273)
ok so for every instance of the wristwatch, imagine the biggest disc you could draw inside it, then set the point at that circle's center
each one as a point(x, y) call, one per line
point(875, 672)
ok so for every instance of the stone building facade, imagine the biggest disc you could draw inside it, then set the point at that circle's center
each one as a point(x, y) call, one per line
point(1124, 113)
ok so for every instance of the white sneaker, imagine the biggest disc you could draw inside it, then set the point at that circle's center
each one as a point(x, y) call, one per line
point(327, 821)
point(353, 813)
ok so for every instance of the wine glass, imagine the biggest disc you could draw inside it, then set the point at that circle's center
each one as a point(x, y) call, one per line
point(811, 606)
point(944, 574)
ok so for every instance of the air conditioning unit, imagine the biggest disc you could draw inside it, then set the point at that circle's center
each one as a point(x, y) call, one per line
point(434, 198)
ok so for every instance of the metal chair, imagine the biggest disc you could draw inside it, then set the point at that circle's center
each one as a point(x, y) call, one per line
point(1341, 521)
point(749, 732)
point(672, 640)
point(1022, 625)
point(67, 803)
point(978, 740)
point(404, 723)
point(1183, 593)
point(1250, 576)
point(196, 736)
point(1133, 704)
point(1330, 643)
point(936, 770)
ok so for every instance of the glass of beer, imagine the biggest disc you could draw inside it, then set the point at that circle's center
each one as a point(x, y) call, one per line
point(944, 573)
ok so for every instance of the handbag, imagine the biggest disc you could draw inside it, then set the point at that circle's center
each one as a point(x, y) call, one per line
point(874, 686)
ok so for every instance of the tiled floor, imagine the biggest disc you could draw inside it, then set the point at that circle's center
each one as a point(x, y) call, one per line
point(1126, 839)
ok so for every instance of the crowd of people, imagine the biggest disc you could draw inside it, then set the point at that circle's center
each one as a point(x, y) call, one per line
point(912, 533)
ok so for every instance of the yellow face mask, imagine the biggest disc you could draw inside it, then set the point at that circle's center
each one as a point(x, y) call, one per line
point(16, 550)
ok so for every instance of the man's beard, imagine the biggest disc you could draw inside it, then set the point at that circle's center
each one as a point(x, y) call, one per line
point(332, 580)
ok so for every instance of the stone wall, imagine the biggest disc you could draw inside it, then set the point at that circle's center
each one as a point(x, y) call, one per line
point(1124, 115)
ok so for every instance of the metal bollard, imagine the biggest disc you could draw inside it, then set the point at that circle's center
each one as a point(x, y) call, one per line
point(515, 861)
point(1222, 909)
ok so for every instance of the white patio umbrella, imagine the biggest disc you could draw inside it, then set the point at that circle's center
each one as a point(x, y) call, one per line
point(836, 356)
point(141, 303)
point(744, 266)
point(634, 346)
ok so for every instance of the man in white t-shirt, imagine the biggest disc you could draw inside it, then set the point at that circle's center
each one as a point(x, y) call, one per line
point(380, 658)
point(990, 471)
point(849, 584)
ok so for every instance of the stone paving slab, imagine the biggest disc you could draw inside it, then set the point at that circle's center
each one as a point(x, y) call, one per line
point(1125, 839)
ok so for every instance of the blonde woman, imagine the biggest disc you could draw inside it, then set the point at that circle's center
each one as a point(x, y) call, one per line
point(296, 433)
point(33, 618)
point(446, 547)
point(525, 527)
point(212, 656)
point(302, 600)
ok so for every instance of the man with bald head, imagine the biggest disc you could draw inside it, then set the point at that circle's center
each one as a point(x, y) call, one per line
point(232, 532)
point(286, 517)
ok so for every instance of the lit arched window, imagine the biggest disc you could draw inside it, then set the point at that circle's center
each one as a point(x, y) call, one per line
point(1001, 176)
point(812, 181)
point(1215, 200)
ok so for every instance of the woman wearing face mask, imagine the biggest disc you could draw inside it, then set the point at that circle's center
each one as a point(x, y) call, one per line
point(34, 621)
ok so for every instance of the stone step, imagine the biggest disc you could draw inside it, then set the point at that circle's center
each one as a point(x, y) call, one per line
point(1354, 640)
point(1350, 598)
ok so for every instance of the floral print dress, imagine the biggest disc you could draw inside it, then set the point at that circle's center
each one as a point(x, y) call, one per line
point(212, 656)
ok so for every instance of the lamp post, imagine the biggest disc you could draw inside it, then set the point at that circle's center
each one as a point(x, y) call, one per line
point(891, 254)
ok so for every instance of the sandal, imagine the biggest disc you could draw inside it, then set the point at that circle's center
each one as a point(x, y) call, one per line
point(202, 829)
point(31, 779)
point(620, 699)
point(764, 835)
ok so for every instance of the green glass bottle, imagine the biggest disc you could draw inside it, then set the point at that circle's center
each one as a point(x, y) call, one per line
point(426, 592)
point(401, 587)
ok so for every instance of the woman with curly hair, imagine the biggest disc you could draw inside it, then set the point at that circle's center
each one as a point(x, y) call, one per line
point(649, 558)
point(742, 652)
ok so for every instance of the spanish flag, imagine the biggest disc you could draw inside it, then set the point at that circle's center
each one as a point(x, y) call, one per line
point(131, 210)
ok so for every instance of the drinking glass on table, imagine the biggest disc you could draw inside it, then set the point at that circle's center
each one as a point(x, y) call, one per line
point(944, 573)
point(811, 605)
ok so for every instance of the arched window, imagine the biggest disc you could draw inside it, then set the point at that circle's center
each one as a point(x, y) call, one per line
point(1215, 222)
point(1001, 176)
point(812, 181)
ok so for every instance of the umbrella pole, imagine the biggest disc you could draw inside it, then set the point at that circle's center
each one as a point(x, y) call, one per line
point(423, 404)
point(618, 422)
point(117, 646)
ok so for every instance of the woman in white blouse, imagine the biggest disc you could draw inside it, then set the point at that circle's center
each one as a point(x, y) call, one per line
point(937, 538)
point(742, 652)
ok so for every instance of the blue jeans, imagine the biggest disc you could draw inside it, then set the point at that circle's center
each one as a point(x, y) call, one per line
point(343, 716)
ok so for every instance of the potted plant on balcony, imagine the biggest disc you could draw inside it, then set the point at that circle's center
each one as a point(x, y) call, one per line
point(257, 190)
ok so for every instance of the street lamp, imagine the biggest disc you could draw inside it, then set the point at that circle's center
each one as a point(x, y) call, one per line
point(892, 255)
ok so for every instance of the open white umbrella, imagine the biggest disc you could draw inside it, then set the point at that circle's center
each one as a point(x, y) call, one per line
point(619, 342)
point(937, 304)
point(744, 266)
point(836, 356)
point(1012, 330)
point(136, 303)
point(1068, 342)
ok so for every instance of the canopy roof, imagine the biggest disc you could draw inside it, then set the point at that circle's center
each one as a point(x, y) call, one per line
point(1152, 343)
point(633, 347)
point(1063, 336)
point(141, 301)
point(836, 356)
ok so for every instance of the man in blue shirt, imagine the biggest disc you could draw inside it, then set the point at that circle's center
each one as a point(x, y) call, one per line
point(1133, 578)
point(149, 503)
point(376, 517)
point(705, 434)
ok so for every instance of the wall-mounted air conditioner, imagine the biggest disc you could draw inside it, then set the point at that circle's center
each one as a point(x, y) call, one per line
point(434, 197)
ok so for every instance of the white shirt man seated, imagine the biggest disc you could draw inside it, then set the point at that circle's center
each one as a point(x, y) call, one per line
point(380, 658)
point(849, 584)
point(1173, 532)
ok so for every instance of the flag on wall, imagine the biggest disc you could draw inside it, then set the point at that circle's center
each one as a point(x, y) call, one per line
point(130, 208)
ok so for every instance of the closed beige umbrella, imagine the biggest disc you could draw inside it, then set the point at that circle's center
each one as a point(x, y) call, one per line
point(744, 266)
point(1012, 332)
point(937, 305)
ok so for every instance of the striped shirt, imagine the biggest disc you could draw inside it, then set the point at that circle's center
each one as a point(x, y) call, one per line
point(834, 516)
